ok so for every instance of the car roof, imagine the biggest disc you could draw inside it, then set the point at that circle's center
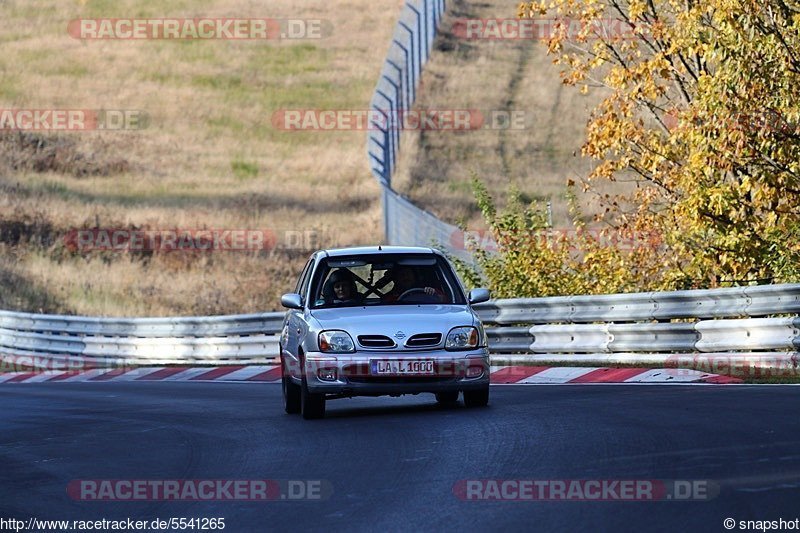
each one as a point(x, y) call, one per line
point(379, 249)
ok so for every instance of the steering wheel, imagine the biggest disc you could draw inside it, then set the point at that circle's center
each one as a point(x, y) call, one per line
point(432, 298)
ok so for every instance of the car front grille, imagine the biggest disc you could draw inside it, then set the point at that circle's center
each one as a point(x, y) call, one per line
point(375, 341)
point(424, 339)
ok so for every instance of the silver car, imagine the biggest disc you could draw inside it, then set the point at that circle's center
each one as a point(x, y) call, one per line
point(381, 320)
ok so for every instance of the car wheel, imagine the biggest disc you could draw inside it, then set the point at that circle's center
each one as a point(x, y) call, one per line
point(291, 395)
point(311, 405)
point(447, 398)
point(476, 398)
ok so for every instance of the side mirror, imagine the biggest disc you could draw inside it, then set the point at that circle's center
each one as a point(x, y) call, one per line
point(292, 300)
point(477, 296)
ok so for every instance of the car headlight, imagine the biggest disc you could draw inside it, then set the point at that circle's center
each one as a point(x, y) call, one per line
point(462, 338)
point(336, 341)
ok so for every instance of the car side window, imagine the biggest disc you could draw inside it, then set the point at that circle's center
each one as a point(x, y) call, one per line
point(306, 279)
point(302, 283)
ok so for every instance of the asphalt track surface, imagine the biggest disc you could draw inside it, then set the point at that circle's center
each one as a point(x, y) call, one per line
point(392, 463)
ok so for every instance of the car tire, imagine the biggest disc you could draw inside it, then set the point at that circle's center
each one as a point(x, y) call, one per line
point(311, 405)
point(447, 398)
point(291, 394)
point(476, 398)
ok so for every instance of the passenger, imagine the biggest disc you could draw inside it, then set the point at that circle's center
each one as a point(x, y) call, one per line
point(344, 287)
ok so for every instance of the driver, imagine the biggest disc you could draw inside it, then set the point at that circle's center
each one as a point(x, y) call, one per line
point(405, 279)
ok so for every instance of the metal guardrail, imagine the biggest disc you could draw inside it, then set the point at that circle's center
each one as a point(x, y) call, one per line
point(92, 341)
point(755, 301)
point(748, 334)
point(711, 322)
point(704, 336)
point(642, 322)
point(252, 324)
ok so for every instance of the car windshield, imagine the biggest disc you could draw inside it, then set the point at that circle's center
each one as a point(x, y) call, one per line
point(391, 279)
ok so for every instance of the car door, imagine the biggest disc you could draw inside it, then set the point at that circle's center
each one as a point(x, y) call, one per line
point(294, 326)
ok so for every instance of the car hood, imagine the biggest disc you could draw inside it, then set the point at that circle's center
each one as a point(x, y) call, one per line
point(389, 319)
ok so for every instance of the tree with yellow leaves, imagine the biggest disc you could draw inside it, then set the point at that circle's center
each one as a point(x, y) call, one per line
point(703, 115)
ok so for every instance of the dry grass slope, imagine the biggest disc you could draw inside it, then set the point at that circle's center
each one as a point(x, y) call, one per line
point(436, 167)
point(209, 158)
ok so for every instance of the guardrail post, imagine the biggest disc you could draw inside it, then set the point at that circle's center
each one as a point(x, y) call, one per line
point(390, 127)
point(410, 57)
point(427, 46)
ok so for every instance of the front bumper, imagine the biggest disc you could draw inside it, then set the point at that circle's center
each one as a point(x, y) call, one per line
point(354, 376)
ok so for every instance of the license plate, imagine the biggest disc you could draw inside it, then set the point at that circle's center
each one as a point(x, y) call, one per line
point(415, 367)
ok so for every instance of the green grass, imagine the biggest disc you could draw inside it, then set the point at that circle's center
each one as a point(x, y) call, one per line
point(244, 170)
point(230, 85)
point(141, 8)
point(35, 55)
point(226, 125)
point(196, 51)
point(9, 90)
point(285, 61)
point(274, 78)
point(71, 69)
